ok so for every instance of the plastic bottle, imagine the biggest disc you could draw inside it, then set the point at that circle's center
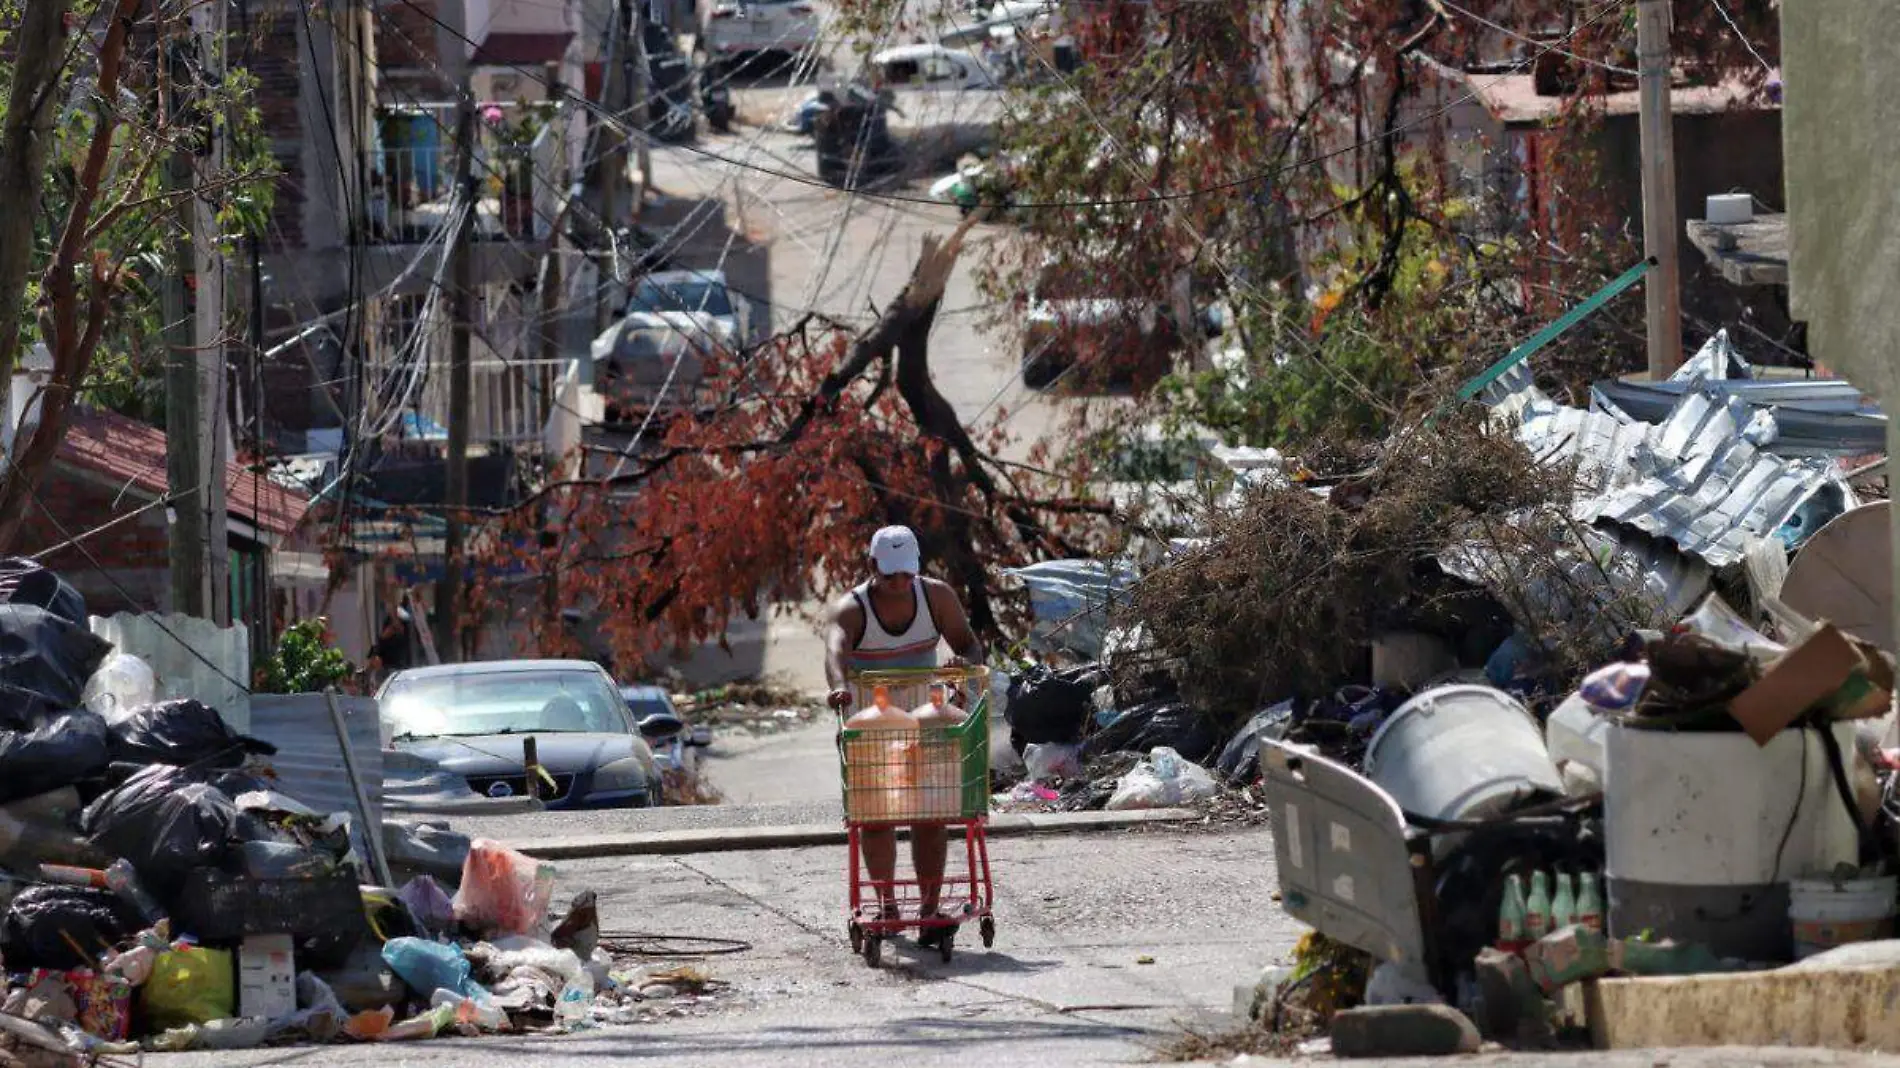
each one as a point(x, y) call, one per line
point(1589, 902)
point(571, 1008)
point(1563, 904)
point(469, 1011)
point(878, 765)
point(1511, 916)
point(1537, 907)
point(938, 770)
point(124, 881)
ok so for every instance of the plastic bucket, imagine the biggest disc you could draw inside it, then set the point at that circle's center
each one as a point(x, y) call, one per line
point(1459, 753)
point(1827, 914)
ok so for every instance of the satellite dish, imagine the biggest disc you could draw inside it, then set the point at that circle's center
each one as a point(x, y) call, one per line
point(1844, 574)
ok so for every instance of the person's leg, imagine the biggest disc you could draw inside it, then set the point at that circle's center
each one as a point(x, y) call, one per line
point(880, 861)
point(929, 845)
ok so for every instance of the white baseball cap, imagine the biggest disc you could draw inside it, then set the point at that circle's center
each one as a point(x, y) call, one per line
point(894, 550)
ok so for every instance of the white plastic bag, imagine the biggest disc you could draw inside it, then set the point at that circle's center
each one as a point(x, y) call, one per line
point(1049, 761)
point(1191, 781)
point(122, 683)
point(1163, 780)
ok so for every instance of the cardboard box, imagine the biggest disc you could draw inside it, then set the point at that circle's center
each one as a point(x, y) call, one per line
point(1847, 677)
point(267, 977)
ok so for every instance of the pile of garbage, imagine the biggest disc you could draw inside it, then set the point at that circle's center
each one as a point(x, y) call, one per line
point(160, 891)
point(756, 707)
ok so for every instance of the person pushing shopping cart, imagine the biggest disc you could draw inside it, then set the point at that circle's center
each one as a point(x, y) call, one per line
point(895, 621)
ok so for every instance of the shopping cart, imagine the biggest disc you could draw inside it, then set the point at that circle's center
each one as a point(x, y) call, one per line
point(927, 776)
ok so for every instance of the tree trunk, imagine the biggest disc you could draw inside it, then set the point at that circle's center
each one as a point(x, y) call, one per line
point(40, 45)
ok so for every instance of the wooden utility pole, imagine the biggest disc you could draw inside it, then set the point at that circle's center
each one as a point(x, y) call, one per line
point(192, 302)
point(1661, 230)
point(448, 592)
point(610, 167)
point(640, 117)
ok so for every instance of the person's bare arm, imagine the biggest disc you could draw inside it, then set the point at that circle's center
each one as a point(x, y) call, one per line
point(843, 632)
point(951, 621)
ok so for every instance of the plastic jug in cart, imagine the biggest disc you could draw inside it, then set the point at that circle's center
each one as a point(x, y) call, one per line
point(939, 764)
point(880, 763)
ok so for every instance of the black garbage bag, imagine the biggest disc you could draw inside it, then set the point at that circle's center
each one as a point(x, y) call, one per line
point(27, 582)
point(1144, 728)
point(63, 927)
point(60, 750)
point(1046, 706)
point(47, 655)
point(183, 732)
point(166, 821)
point(1239, 761)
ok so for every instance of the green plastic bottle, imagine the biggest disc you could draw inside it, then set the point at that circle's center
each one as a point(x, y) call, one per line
point(1563, 904)
point(1589, 902)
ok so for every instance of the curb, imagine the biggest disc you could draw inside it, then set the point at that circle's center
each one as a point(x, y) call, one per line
point(1838, 1008)
point(738, 839)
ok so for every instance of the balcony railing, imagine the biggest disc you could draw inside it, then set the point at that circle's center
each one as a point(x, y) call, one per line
point(412, 185)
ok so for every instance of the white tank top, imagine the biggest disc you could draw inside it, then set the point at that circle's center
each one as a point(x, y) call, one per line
point(879, 648)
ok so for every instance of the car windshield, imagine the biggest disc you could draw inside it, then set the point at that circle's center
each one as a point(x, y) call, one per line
point(547, 701)
point(648, 706)
point(689, 295)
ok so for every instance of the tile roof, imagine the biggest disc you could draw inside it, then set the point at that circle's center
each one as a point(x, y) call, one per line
point(128, 451)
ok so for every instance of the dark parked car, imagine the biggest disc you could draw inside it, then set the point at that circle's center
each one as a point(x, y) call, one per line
point(472, 719)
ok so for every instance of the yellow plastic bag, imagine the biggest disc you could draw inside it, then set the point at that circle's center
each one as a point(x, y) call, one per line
point(189, 985)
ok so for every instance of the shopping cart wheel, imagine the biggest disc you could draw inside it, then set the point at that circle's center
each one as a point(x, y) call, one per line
point(947, 947)
point(988, 928)
point(857, 937)
point(873, 950)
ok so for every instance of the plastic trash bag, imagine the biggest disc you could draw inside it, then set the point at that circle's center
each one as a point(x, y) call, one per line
point(431, 966)
point(183, 732)
point(428, 904)
point(502, 891)
point(1163, 780)
point(1146, 727)
point(57, 751)
point(1049, 761)
point(45, 923)
point(124, 682)
point(1239, 762)
point(45, 654)
point(28, 582)
point(166, 821)
point(190, 985)
point(1045, 706)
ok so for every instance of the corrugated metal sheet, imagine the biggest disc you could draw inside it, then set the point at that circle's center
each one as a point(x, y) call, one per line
point(1694, 479)
point(192, 658)
point(1818, 418)
point(309, 763)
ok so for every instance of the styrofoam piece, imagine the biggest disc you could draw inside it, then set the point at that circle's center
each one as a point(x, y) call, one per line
point(192, 657)
point(1710, 808)
point(1727, 209)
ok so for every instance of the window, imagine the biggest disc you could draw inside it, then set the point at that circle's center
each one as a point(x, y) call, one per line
point(684, 294)
point(463, 704)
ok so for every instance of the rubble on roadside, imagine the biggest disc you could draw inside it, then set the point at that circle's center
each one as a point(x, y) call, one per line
point(168, 883)
point(1440, 676)
point(754, 707)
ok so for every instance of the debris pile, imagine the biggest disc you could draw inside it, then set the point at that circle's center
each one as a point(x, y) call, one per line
point(756, 707)
point(164, 888)
point(1538, 696)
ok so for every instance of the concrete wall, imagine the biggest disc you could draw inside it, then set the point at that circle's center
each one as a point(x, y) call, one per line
point(1843, 201)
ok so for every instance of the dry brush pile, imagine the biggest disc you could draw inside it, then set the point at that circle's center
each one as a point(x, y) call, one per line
point(1289, 589)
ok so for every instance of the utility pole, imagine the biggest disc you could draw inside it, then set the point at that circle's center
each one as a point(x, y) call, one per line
point(641, 117)
point(192, 302)
point(448, 592)
point(610, 166)
point(1662, 239)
